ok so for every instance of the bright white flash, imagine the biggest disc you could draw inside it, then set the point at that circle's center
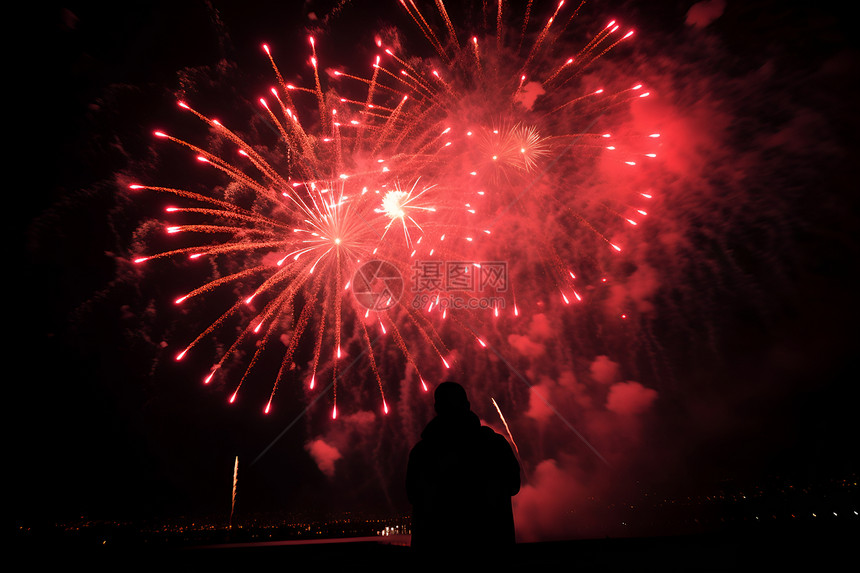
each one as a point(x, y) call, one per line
point(393, 202)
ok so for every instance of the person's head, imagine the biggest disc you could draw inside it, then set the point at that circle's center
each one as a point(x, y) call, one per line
point(451, 399)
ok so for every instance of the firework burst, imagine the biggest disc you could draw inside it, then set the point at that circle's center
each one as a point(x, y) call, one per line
point(416, 160)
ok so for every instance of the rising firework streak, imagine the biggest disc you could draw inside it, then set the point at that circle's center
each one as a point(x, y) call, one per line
point(505, 422)
point(235, 482)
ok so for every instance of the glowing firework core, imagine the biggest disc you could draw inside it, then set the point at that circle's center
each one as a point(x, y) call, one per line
point(393, 202)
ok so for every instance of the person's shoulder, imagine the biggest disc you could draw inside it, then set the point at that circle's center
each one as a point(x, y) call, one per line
point(419, 446)
point(488, 434)
point(494, 440)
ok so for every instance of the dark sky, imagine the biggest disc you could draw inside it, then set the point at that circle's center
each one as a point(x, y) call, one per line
point(749, 341)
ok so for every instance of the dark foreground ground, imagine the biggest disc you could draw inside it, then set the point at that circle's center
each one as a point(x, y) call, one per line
point(818, 549)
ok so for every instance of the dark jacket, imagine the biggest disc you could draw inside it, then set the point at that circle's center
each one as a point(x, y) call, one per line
point(460, 480)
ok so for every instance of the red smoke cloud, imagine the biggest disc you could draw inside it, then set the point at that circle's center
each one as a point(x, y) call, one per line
point(324, 455)
point(629, 398)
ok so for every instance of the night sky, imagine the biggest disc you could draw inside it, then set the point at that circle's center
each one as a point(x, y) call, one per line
point(738, 360)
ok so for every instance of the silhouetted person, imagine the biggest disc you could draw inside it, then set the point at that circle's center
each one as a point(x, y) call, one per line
point(460, 480)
